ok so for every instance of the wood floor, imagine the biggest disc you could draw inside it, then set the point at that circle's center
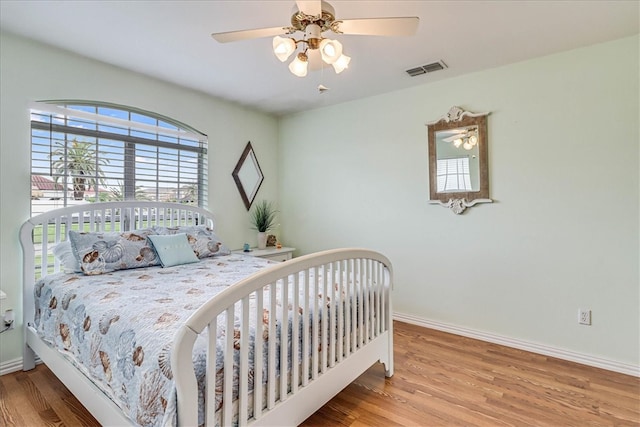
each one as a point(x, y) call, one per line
point(440, 380)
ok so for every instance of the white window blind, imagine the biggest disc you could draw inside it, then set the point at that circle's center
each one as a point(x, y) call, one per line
point(87, 152)
point(453, 174)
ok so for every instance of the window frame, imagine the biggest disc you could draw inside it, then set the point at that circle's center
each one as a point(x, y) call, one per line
point(70, 118)
point(453, 169)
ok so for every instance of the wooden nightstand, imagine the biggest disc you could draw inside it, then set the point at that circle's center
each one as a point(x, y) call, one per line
point(282, 254)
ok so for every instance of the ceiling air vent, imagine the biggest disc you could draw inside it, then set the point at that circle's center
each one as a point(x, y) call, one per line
point(429, 68)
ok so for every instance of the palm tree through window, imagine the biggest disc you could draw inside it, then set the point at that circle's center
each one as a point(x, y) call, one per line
point(88, 152)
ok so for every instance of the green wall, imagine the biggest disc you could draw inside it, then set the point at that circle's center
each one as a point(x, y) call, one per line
point(561, 235)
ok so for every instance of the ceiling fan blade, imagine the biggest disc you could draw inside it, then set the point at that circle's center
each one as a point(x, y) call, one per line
point(454, 131)
point(309, 7)
point(405, 26)
point(234, 36)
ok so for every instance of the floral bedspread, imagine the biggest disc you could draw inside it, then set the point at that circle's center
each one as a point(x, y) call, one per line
point(118, 327)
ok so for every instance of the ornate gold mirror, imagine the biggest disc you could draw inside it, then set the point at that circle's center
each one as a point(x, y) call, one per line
point(458, 160)
point(248, 175)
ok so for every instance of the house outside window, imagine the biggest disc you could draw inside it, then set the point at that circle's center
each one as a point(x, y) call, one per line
point(84, 152)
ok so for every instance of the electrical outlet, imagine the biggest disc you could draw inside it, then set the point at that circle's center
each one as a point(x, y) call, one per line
point(584, 317)
point(9, 319)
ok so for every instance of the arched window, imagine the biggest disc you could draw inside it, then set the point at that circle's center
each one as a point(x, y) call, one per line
point(83, 152)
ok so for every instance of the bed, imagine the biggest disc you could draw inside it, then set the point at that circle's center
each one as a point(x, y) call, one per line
point(146, 340)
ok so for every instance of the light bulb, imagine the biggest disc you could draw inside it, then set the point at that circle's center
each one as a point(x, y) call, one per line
point(283, 47)
point(330, 50)
point(341, 63)
point(473, 140)
point(467, 146)
point(299, 65)
point(457, 142)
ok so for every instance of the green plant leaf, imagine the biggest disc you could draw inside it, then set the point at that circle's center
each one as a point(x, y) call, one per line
point(263, 216)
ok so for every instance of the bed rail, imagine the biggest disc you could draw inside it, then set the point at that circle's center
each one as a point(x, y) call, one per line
point(355, 305)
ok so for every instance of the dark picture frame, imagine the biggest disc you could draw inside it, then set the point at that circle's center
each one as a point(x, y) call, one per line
point(248, 175)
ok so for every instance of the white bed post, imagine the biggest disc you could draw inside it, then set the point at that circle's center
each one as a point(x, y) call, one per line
point(28, 306)
point(388, 364)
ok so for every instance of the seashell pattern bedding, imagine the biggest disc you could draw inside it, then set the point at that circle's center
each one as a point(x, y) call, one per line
point(118, 327)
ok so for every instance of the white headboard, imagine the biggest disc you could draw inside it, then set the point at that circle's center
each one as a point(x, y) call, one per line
point(109, 216)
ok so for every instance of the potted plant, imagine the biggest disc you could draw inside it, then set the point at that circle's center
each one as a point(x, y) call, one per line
point(263, 216)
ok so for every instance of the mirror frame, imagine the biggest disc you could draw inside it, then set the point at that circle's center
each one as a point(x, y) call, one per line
point(458, 201)
point(248, 153)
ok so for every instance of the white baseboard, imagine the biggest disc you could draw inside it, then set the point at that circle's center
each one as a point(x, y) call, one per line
point(585, 359)
point(545, 350)
point(13, 365)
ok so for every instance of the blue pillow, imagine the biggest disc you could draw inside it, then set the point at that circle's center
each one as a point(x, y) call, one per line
point(173, 249)
point(203, 240)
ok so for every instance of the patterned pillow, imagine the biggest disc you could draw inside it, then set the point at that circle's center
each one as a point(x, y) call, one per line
point(204, 242)
point(63, 252)
point(103, 252)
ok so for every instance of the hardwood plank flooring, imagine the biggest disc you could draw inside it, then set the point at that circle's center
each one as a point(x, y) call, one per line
point(440, 380)
point(443, 379)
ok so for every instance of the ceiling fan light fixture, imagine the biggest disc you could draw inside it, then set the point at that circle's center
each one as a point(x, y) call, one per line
point(330, 50)
point(299, 65)
point(283, 47)
point(341, 64)
point(313, 18)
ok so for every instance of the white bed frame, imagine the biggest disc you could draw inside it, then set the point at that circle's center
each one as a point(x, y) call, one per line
point(363, 320)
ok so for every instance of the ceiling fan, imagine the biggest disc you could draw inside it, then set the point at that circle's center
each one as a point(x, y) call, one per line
point(467, 137)
point(313, 18)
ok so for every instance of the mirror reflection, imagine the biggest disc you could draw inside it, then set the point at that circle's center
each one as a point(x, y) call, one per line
point(457, 162)
point(248, 175)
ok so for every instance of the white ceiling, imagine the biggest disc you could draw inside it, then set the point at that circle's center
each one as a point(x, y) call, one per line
point(171, 40)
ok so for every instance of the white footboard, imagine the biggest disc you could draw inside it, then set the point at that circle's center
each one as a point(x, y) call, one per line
point(333, 339)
